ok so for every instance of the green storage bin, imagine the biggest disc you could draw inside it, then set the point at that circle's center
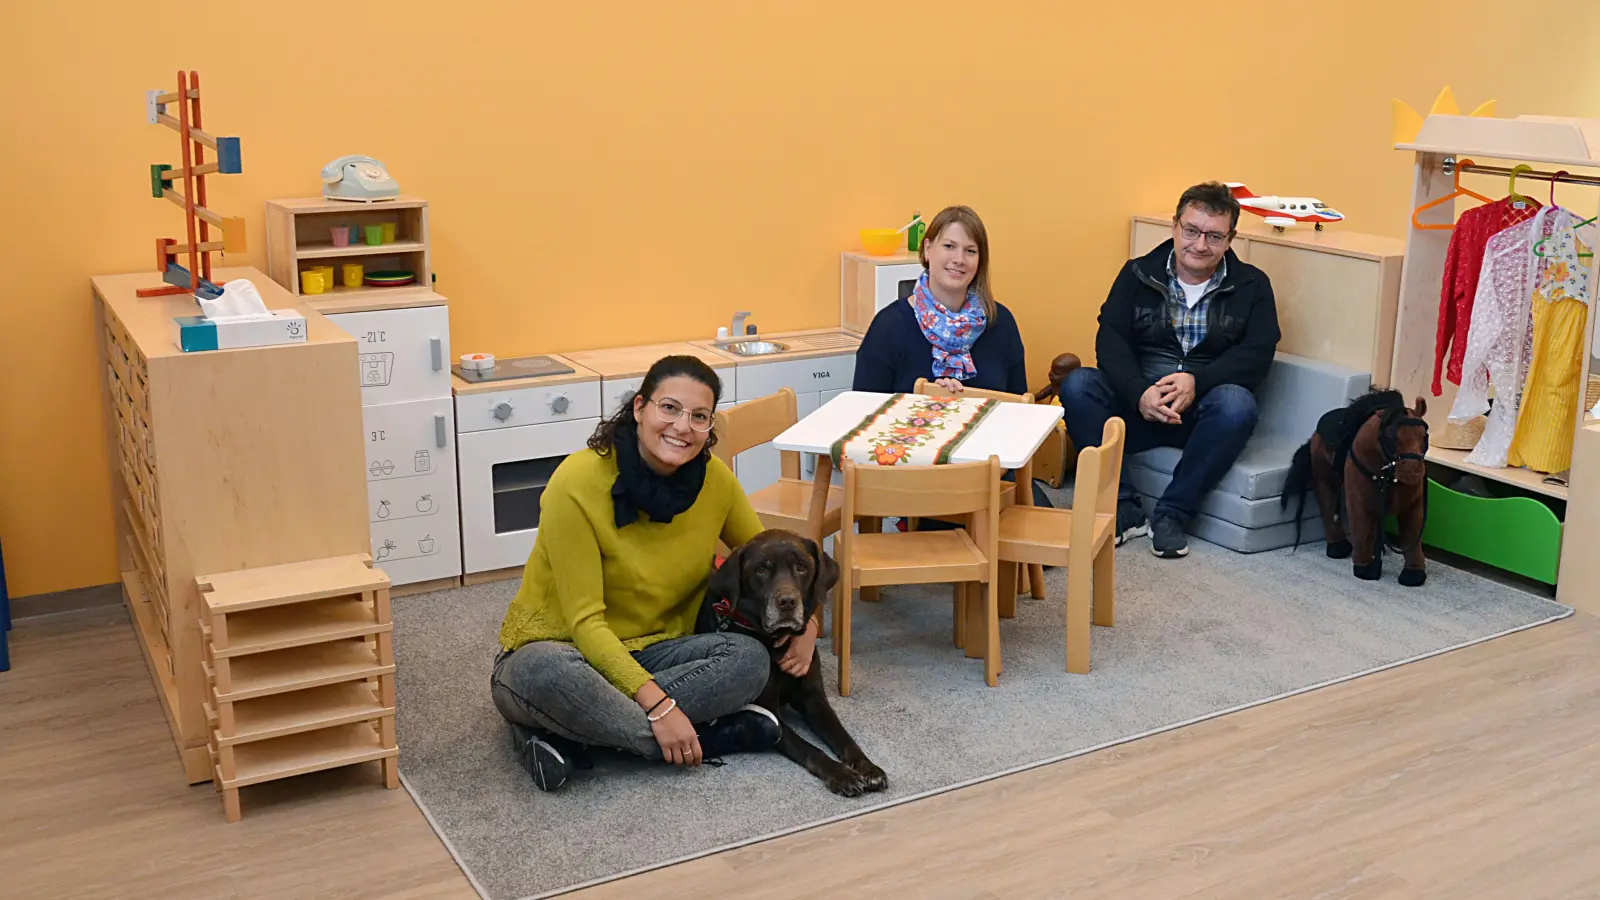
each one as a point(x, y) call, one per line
point(1517, 534)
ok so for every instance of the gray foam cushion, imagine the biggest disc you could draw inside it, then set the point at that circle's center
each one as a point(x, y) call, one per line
point(1247, 540)
point(1226, 506)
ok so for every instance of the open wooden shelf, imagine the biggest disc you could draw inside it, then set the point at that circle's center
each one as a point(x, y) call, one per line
point(1522, 478)
point(280, 715)
point(309, 751)
point(326, 249)
point(282, 627)
point(298, 668)
point(233, 592)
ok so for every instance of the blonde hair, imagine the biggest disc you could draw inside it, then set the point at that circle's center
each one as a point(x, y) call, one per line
point(967, 219)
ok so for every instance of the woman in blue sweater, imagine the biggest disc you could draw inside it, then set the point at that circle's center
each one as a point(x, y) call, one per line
point(950, 330)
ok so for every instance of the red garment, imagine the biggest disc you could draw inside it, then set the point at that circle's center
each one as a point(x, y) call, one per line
point(1459, 285)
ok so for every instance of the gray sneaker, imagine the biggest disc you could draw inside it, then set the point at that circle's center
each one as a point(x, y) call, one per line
point(1131, 521)
point(1166, 537)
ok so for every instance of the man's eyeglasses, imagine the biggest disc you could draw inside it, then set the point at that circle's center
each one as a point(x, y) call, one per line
point(1214, 238)
point(672, 411)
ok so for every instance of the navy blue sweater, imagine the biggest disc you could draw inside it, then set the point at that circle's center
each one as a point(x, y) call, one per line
point(894, 354)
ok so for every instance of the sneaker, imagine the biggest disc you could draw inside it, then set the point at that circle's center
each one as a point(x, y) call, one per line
point(750, 729)
point(1131, 521)
point(1167, 539)
point(545, 764)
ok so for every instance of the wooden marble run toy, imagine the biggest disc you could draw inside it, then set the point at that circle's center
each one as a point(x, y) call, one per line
point(194, 278)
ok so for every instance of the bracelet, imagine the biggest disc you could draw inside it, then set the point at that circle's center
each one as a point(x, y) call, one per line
point(664, 713)
point(664, 698)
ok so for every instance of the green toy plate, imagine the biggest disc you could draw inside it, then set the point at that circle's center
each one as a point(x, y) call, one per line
point(389, 278)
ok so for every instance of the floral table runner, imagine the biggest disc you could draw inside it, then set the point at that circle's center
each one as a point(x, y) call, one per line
point(912, 430)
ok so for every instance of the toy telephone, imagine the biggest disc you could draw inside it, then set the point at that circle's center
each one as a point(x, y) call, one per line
point(359, 178)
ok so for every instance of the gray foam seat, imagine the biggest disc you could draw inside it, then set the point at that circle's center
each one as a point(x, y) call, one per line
point(1241, 512)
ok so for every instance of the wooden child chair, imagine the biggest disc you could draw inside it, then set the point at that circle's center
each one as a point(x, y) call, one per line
point(1008, 489)
point(1079, 538)
point(922, 557)
point(785, 503)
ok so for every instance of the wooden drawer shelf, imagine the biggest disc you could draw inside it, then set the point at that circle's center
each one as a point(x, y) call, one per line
point(290, 583)
point(297, 668)
point(283, 627)
point(310, 751)
point(281, 715)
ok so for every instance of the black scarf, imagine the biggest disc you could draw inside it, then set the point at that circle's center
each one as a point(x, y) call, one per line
point(639, 489)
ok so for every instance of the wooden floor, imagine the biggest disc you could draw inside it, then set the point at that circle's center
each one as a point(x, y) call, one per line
point(1471, 775)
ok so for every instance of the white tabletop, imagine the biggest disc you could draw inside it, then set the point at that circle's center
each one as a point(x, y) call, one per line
point(1013, 431)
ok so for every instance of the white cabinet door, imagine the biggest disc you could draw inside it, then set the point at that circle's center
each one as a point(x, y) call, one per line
point(411, 489)
point(404, 353)
point(503, 476)
point(821, 373)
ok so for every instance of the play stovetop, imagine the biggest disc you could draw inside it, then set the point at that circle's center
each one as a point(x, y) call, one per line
point(518, 367)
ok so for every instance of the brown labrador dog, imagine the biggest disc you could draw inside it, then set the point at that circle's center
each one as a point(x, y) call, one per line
point(768, 589)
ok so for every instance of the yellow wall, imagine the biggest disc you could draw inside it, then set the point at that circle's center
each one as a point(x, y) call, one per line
point(612, 173)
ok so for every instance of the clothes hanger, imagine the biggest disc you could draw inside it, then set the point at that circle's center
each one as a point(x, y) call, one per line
point(1537, 251)
point(1511, 187)
point(1458, 192)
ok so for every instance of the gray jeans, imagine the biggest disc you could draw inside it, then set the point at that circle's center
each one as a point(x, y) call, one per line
point(548, 685)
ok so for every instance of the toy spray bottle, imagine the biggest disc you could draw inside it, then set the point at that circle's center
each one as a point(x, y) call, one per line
point(914, 232)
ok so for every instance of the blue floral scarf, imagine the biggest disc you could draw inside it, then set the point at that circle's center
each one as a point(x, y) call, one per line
point(952, 334)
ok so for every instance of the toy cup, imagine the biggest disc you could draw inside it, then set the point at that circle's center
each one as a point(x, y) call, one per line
point(374, 235)
point(341, 235)
point(388, 232)
point(311, 282)
point(328, 279)
point(352, 275)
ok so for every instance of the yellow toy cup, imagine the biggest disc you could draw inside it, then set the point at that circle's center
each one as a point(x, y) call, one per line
point(352, 275)
point(312, 281)
point(328, 277)
point(881, 241)
point(388, 232)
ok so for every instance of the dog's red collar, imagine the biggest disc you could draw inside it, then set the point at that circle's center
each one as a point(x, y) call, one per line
point(727, 615)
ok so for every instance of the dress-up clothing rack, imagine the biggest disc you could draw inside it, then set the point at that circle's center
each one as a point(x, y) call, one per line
point(1515, 532)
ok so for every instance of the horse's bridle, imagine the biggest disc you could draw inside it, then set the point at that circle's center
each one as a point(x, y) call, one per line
point(1384, 477)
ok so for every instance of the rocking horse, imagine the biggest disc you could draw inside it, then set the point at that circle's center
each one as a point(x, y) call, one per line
point(1365, 461)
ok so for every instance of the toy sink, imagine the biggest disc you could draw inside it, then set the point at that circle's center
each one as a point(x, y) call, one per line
point(753, 348)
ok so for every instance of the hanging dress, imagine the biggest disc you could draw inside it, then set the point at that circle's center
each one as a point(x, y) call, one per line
point(1550, 398)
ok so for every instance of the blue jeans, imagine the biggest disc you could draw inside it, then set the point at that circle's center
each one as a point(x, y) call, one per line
point(1213, 433)
point(549, 686)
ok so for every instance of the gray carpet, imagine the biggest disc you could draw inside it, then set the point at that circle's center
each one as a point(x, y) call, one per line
point(1195, 637)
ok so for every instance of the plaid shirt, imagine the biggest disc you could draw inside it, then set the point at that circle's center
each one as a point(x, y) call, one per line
point(1190, 324)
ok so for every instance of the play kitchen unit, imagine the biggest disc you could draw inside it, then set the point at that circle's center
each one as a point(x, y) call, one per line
point(403, 335)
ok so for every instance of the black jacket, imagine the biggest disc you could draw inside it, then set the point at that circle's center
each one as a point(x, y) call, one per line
point(1136, 334)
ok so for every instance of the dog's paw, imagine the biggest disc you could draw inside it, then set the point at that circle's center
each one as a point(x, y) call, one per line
point(1413, 577)
point(846, 783)
point(1372, 571)
point(872, 777)
point(1339, 549)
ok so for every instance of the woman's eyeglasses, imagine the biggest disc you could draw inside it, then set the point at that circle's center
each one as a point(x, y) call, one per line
point(672, 411)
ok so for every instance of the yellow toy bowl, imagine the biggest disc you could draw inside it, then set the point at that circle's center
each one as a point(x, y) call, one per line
point(881, 241)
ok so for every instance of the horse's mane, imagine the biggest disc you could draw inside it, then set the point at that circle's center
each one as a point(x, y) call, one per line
point(1356, 415)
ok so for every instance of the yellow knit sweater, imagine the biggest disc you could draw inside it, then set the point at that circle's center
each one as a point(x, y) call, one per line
point(610, 591)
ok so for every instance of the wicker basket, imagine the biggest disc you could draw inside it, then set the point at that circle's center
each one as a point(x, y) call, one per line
point(1460, 437)
point(1593, 396)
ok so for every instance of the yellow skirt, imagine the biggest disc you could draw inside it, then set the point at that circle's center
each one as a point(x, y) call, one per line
point(1543, 439)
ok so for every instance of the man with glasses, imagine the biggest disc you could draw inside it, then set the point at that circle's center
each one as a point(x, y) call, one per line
point(1186, 334)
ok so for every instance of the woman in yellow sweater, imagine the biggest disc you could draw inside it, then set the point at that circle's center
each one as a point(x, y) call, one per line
point(598, 647)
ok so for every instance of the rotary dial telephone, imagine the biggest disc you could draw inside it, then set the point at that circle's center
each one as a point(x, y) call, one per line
point(358, 178)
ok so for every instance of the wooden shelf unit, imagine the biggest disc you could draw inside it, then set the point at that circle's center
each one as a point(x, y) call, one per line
point(192, 439)
point(1547, 144)
point(300, 669)
point(299, 237)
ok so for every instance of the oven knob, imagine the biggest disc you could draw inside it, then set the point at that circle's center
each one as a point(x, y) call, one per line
point(558, 405)
point(502, 411)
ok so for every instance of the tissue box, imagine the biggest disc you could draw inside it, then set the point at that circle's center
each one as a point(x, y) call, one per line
point(193, 333)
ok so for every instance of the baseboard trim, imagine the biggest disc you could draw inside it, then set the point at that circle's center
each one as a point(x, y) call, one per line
point(66, 601)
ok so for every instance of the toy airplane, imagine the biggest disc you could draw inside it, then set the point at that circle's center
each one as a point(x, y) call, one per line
point(1282, 212)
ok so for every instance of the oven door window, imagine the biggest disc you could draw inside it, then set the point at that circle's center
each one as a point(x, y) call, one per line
point(517, 488)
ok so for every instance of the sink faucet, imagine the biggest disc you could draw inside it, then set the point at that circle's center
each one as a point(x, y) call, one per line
point(738, 324)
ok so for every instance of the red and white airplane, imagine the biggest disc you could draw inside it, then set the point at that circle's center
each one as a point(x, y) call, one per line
point(1282, 212)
